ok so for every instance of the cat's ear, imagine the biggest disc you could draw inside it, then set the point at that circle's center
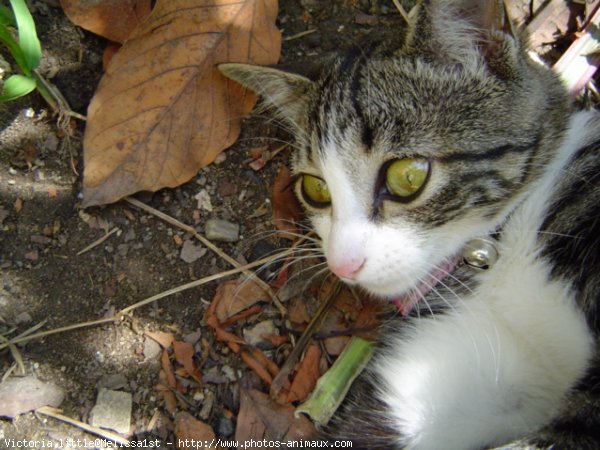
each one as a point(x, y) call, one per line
point(288, 93)
point(467, 31)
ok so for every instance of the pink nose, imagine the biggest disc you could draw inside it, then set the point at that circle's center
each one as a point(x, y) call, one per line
point(348, 269)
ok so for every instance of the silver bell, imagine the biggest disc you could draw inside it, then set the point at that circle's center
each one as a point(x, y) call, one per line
point(481, 253)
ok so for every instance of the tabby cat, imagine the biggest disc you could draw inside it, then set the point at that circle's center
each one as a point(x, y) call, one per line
point(409, 158)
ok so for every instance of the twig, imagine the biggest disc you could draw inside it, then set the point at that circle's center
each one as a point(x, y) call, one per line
point(54, 413)
point(98, 242)
point(189, 229)
point(402, 11)
point(299, 35)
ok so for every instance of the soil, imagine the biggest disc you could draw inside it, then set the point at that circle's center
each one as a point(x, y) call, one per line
point(47, 279)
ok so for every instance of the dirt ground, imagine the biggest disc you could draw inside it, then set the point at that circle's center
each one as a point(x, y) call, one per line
point(45, 277)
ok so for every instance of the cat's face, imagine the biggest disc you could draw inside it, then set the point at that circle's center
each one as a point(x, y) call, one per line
point(403, 158)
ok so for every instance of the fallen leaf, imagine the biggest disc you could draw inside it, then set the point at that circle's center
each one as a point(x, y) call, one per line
point(286, 208)
point(261, 418)
point(109, 51)
point(112, 19)
point(184, 355)
point(235, 296)
point(167, 394)
point(18, 205)
point(162, 110)
point(164, 339)
point(190, 431)
point(307, 375)
point(167, 368)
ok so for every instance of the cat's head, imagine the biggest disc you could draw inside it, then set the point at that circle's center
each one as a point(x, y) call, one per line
point(406, 154)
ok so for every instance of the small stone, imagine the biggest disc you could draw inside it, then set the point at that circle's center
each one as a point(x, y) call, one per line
point(253, 336)
point(23, 317)
point(191, 252)
point(152, 349)
point(226, 188)
point(112, 410)
point(225, 427)
point(20, 395)
point(129, 235)
point(222, 230)
point(203, 198)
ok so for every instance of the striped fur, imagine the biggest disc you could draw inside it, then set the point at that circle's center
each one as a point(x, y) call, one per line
point(486, 357)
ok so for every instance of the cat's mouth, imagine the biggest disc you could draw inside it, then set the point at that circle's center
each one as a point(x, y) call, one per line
point(406, 302)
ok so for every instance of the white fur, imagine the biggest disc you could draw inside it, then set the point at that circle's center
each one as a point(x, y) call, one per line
point(500, 364)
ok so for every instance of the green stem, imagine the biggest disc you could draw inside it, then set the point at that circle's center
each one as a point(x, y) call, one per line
point(333, 386)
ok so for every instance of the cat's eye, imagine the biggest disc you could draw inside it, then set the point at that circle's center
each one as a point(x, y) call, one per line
point(315, 191)
point(406, 177)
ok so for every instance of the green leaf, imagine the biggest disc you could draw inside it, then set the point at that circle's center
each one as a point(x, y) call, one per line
point(7, 18)
point(28, 40)
point(15, 50)
point(17, 86)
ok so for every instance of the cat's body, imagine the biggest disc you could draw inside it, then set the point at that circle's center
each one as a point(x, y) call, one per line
point(407, 155)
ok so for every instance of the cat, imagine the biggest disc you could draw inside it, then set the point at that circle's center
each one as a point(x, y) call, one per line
point(414, 159)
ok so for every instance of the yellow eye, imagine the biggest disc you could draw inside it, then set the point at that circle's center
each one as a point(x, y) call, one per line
point(406, 177)
point(315, 191)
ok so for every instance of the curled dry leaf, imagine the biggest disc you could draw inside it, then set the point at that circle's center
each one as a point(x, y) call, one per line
point(235, 296)
point(190, 431)
point(307, 375)
point(112, 19)
point(184, 354)
point(261, 418)
point(162, 110)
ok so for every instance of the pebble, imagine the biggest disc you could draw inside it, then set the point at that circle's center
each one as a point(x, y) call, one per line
point(152, 349)
point(222, 230)
point(112, 410)
point(225, 427)
point(203, 198)
point(20, 395)
point(191, 252)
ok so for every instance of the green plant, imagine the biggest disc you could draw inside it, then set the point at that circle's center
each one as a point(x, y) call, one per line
point(26, 49)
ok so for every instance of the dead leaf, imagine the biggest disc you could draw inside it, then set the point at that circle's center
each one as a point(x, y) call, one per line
point(162, 110)
point(261, 418)
point(190, 431)
point(235, 296)
point(18, 205)
point(52, 192)
point(307, 375)
point(109, 51)
point(164, 339)
point(167, 367)
point(112, 19)
point(184, 354)
point(286, 208)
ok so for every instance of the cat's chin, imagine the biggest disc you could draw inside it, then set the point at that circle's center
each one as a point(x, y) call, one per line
point(405, 298)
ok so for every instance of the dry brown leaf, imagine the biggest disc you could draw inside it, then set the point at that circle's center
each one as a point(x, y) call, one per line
point(112, 19)
point(235, 296)
point(184, 354)
point(286, 208)
point(191, 431)
point(307, 375)
point(162, 110)
point(261, 418)
point(165, 340)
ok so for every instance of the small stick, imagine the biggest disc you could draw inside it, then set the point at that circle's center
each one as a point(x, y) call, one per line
point(98, 242)
point(401, 10)
point(299, 35)
point(54, 413)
